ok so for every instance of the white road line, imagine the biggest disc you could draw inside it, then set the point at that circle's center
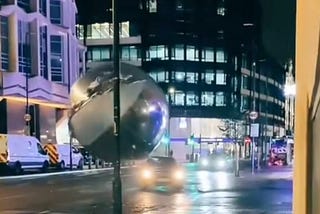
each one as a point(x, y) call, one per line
point(86, 172)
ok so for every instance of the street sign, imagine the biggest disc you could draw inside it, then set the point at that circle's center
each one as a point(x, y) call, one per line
point(253, 115)
point(254, 130)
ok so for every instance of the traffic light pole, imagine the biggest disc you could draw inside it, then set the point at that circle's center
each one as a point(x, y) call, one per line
point(116, 184)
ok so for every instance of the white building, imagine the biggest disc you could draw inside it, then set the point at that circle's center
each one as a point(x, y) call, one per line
point(38, 39)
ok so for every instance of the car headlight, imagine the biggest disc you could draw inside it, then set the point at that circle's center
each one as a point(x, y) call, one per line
point(179, 174)
point(205, 162)
point(221, 163)
point(146, 173)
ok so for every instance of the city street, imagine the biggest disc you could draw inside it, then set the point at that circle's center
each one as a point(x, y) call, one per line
point(89, 192)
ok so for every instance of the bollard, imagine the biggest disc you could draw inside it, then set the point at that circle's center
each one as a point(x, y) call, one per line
point(97, 163)
point(90, 161)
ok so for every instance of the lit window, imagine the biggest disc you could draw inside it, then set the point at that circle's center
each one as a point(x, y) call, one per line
point(157, 52)
point(208, 76)
point(192, 98)
point(208, 55)
point(221, 56)
point(207, 98)
point(192, 53)
point(178, 52)
point(221, 11)
point(178, 98)
point(179, 76)
point(220, 99)
point(221, 77)
point(160, 76)
point(152, 6)
point(191, 77)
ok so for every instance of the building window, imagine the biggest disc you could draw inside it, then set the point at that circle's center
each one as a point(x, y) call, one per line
point(191, 77)
point(179, 5)
point(245, 82)
point(220, 99)
point(99, 54)
point(192, 98)
point(56, 12)
point(221, 77)
point(220, 34)
point(178, 98)
point(244, 62)
point(4, 42)
point(24, 47)
point(221, 10)
point(207, 98)
point(179, 76)
point(221, 56)
point(244, 102)
point(56, 58)
point(192, 53)
point(208, 76)
point(178, 52)
point(160, 76)
point(129, 53)
point(24, 4)
point(157, 52)
point(208, 55)
point(43, 52)
point(43, 7)
point(152, 6)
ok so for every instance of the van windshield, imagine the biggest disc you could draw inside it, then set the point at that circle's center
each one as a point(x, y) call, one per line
point(40, 149)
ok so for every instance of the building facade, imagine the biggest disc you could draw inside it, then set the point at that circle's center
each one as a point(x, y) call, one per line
point(204, 57)
point(40, 59)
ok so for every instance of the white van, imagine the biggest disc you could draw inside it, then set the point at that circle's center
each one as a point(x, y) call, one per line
point(20, 152)
point(59, 155)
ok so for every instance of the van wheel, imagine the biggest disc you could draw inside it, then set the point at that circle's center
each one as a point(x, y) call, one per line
point(80, 164)
point(62, 165)
point(17, 168)
point(45, 166)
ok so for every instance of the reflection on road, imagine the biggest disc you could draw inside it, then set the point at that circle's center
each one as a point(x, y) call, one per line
point(204, 192)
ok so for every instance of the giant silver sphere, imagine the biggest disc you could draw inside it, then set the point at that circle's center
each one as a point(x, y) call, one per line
point(143, 109)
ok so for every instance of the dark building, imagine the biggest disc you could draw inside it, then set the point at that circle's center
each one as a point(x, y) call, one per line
point(203, 54)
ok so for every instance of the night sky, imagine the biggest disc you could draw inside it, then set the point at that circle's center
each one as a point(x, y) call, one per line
point(278, 27)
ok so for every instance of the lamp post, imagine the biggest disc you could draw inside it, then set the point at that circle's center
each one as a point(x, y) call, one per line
point(171, 92)
point(116, 184)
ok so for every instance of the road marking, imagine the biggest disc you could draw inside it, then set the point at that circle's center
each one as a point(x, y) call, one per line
point(33, 176)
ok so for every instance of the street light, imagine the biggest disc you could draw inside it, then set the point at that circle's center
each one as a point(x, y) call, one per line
point(171, 91)
point(116, 184)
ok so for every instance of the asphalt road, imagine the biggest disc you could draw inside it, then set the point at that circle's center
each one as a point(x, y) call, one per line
point(89, 192)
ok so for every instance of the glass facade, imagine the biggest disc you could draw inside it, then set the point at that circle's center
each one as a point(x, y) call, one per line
point(56, 12)
point(24, 47)
point(24, 4)
point(43, 52)
point(43, 7)
point(4, 28)
point(207, 98)
point(56, 58)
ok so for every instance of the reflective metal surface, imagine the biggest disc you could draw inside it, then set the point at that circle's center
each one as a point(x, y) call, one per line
point(143, 108)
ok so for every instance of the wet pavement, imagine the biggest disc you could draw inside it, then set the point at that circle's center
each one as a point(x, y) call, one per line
point(89, 192)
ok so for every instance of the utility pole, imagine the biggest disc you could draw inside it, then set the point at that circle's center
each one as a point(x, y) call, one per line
point(116, 184)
